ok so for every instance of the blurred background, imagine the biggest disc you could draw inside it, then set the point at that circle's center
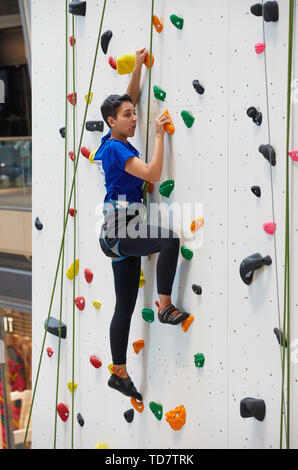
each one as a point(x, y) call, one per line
point(15, 220)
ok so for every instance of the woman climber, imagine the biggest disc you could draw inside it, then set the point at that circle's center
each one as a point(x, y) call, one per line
point(124, 175)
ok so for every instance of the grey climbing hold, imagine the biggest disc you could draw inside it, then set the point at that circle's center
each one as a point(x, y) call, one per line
point(76, 7)
point(129, 415)
point(256, 116)
point(256, 190)
point(54, 326)
point(250, 264)
point(38, 224)
point(268, 152)
point(94, 126)
point(197, 289)
point(279, 336)
point(62, 132)
point(198, 87)
point(80, 419)
point(105, 40)
point(253, 407)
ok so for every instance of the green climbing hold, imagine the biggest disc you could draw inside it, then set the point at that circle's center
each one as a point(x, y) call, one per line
point(148, 315)
point(166, 188)
point(199, 359)
point(156, 409)
point(186, 253)
point(187, 118)
point(159, 93)
point(178, 22)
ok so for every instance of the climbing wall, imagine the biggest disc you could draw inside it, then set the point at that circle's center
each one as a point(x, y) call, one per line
point(214, 163)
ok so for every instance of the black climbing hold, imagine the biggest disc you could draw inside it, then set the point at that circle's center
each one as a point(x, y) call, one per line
point(80, 419)
point(76, 7)
point(257, 9)
point(250, 264)
point(94, 126)
point(105, 40)
point(253, 407)
point(197, 289)
point(279, 335)
point(62, 132)
point(198, 87)
point(270, 11)
point(255, 115)
point(269, 153)
point(54, 326)
point(129, 414)
point(256, 190)
point(38, 224)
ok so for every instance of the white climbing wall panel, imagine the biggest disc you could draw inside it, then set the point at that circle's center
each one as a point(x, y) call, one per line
point(214, 163)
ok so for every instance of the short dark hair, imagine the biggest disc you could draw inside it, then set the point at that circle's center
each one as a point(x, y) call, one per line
point(111, 104)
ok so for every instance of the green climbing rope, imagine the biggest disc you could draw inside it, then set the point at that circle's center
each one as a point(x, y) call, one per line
point(74, 240)
point(286, 318)
point(64, 204)
point(66, 214)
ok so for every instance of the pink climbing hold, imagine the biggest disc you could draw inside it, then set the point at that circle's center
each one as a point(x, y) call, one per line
point(112, 63)
point(80, 303)
point(269, 227)
point(88, 275)
point(95, 361)
point(50, 352)
point(63, 411)
point(259, 47)
point(72, 212)
point(72, 41)
point(85, 152)
point(72, 98)
point(294, 155)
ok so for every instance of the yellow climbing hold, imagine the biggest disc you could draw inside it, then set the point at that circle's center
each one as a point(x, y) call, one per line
point(90, 97)
point(101, 445)
point(126, 63)
point(97, 305)
point(92, 155)
point(142, 279)
point(70, 386)
point(110, 368)
point(73, 271)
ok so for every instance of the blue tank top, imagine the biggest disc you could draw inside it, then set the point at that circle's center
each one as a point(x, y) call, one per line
point(112, 155)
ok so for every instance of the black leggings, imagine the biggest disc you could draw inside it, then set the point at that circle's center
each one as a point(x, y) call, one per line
point(127, 276)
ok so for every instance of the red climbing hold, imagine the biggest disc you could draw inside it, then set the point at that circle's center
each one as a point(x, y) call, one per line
point(72, 212)
point(72, 98)
point(71, 155)
point(85, 152)
point(294, 155)
point(259, 47)
point(269, 227)
point(95, 361)
point(112, 63)
point(88, 275)
point(50, 352)
point(63, 411)
point(72, 41)
point(80, 303)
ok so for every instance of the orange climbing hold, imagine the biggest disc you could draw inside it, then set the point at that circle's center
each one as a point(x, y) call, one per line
point(196, 224)
point(157, 24)
point(138, 405)
point(176, 418)
point(138, 345)
point(147, 60)
point(169, 128)
point(186, 323)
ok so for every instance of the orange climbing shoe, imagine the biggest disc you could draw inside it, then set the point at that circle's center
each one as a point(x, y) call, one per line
point(170, 314)
point(124, 385)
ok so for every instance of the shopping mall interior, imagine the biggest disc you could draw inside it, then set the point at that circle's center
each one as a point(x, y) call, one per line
point(15, 221)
